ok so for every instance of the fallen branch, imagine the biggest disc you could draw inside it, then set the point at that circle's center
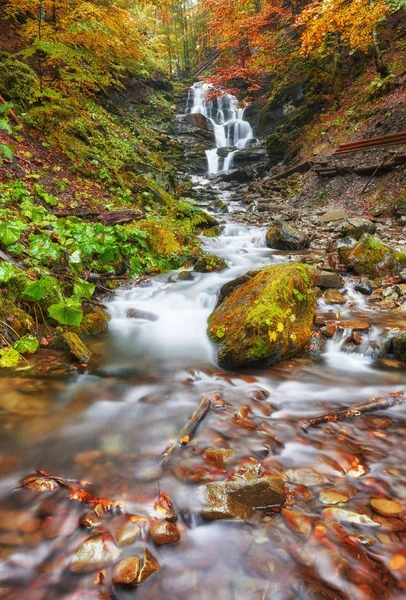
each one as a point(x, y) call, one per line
point(302, 168)
point(11, 113)
point(9, 259)
point(372, 405)
point(43, 481)
point(364, 189)
point(334, 170)
point(113, 217)
point(190, 429)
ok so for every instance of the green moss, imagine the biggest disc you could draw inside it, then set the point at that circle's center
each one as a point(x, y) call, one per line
point(267, 319)
point(94, 322)
point(372, 258)
point(210, 263)
point(76, 347)
point(400, 204)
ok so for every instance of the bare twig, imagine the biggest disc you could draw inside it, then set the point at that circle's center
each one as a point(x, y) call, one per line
point(190, 429)
point(378, 403)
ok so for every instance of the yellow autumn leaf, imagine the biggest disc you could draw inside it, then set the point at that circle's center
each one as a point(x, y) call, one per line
point(280, 327)
point(293, 337)
point(272, 335)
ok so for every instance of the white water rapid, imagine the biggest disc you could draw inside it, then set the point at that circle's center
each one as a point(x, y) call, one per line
point(231, 131)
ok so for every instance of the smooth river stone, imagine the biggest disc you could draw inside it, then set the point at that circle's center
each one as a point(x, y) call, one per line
point(386, 508)
point(333, 496)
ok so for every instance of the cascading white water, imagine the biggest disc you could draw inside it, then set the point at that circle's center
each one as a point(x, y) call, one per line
point(227, 120)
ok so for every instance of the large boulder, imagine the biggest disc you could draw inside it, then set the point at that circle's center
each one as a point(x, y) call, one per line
point(198, 120)
point(285, 237)
point(250, 155)
point(267, 319)
point(373, 258)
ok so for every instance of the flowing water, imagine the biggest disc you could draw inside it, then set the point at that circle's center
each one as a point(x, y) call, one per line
point(231, 131)
point(111, 425)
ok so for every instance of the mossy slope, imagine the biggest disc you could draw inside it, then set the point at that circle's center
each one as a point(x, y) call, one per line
point(267, 319)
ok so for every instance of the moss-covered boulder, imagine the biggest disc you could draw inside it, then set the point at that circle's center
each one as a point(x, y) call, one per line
point(373, 258)
point(210, 263)
point(94, 322)
point(14, 322)
point(267, 319)
point(285, 237)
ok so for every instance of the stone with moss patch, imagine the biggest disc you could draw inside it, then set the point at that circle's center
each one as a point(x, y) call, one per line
point(267, 319)
point(76, 347)
point(373, 258)
point(94, 322)
point(210, 263)
point(285, 237)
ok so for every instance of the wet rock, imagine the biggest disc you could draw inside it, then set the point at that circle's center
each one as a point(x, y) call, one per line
point(218, 457)
point(373, 258)
point(40, 484)
point(126, 571)
point(402, 276)
point(89, 519)
point(149, 566)
point(241, 175)
point(328, 280)
point(333, 297)
point(333, 215)
point(364, 286)
point(353, 325)
point(185, 276)
point(305, 476)
point(297, 521)
point(230, 286)
point(210, 263)
point(267, 319)
point(238, 499)
point(94, 553)
point(198, 120)
point(94, 322)
point(386, 508)
point(124, 530)
point(329, 331)
point(218, 206)
point(398, 345)
point(164, 532)
point(344, 247)
point(347, 516)
point(357, 226)
point(285, 237)
point(333, 496)
point(249, 155)
point(316, 345)
point(134, 313)
point(76, 347)
point(209, 222)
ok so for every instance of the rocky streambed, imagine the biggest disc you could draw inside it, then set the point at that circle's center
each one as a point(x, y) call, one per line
point(165, 475)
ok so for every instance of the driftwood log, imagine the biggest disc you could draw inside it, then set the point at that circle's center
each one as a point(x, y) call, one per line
point(113, 217)
point(378, 403)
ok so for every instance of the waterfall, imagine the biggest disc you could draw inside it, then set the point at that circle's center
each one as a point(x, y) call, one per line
point(227, 121)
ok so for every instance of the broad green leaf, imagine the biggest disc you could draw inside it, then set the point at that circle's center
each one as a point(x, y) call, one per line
point(8, 271)
point(28, 343)
point(6, 151)
point(75, 258)
point(83, 289)
point(39, 289)
point(9, 358)
point(10, 232)
point(64, 314)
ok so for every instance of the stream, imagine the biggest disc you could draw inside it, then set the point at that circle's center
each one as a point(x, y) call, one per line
point(111, 425)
